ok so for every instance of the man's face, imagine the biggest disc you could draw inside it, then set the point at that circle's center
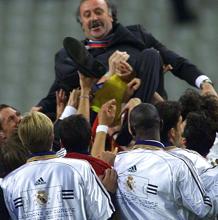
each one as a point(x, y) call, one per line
point(178, 131)
point(96, 19)
point(10, 119)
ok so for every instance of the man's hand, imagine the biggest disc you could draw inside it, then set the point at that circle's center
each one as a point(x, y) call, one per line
point(156, 98)
point(115, 59)
point(86, 83)
point(36, 109)
point(207, 89)
point(109, 180)
point(107, 113)
point(132, 103)
point(60, 102)
point(125, 71)
point(109, 156)
point(167, 67)
point(132, 86)
point(118, 65)
point(74, 98)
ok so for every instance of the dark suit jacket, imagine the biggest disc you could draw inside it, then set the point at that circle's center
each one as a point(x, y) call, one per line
point(132, 39)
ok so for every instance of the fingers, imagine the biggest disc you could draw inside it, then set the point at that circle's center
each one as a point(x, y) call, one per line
point(60, 96)
point(115, 61)
point(108, 156)
point(86, 83)
point(118, 56)
point(133, 102)
point(208, 89)
point(110, 180)
point(107, 113)
point(109, 105)
point(36, 109)
point(74, 98)
point(110, 175)
point(167, 67)
point(125, 66)
point(156, 98)
point(115, 151)
point(112, 107)
point(134, 84)
point(124, 69)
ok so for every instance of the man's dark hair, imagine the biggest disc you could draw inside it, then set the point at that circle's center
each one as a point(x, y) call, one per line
point(210, 106)
point(3, 106)
point(199, 132)
point(190, 102)
point(170, 112)
point(12, 155)
point(143, 118)
point(75, 134)
point(111, 6)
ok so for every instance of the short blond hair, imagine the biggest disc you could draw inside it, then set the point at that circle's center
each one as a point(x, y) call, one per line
point(36, 132)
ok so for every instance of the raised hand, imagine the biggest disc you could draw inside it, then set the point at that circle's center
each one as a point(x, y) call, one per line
point(107, 113)
point(60, 102)
point(109, 180)
point(132, 86)
point(74, 98)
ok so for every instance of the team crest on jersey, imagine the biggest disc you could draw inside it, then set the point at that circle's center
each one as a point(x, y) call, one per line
point(130, 183)
point(42, 197)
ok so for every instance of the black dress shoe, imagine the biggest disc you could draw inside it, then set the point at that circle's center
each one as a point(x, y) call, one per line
point(86, 63)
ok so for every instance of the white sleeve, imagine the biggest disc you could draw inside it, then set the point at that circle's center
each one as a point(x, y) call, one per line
point(210, 180)
point(200, 79)
point(191, 190)
point(98, 202)
point(69, 110)
point(8, 201)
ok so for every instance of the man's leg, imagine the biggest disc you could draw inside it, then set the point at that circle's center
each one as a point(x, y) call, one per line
point(148, 69)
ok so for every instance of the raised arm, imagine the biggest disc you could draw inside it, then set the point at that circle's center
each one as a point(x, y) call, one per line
point(105, 117)
point(86, 84)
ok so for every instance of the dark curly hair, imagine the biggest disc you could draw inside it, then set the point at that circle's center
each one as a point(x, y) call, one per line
point(190, 101)
point(199, 132)
point(170, 112)
point(75, 133)
point(210, 107)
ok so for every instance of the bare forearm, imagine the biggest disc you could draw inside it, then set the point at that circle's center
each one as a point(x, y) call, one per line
point(99, 144)
point(84, 104)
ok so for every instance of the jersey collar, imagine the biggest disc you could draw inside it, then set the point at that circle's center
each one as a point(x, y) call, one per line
point(148, 144)
point(42, 156)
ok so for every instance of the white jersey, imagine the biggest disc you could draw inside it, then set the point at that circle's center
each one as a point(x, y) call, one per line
point(213, 154)
point(210, 181)
point(199, 162)
point(153, 184)
point(56, 189)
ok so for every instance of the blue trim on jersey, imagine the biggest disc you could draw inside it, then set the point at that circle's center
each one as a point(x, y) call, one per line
point(150, 142)
point(42, 153)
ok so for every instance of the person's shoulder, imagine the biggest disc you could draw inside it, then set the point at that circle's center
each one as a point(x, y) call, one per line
point(12, 177)
point(76, 163)
point(171, 158)
point(136, 27)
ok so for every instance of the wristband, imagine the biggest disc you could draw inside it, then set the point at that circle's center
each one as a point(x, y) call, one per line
point(84, 97)
point(102, 128)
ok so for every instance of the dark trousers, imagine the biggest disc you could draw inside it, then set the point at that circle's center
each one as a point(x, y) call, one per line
point(148, 68)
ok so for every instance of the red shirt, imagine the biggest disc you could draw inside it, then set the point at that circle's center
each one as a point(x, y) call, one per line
point(98, 165)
